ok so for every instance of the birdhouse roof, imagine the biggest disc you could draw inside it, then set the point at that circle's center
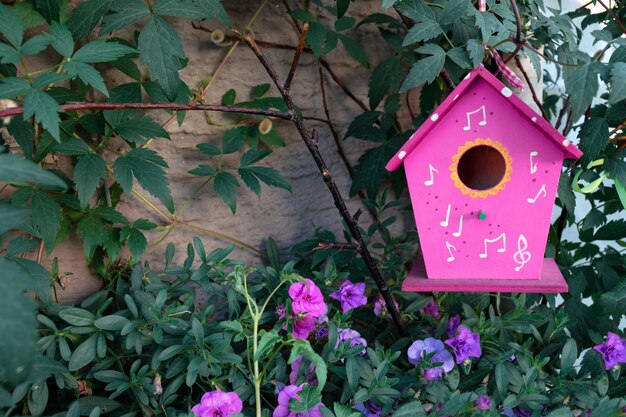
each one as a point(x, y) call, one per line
point(569, 149)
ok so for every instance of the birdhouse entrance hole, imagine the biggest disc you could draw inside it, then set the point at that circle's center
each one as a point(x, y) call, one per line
point(481, 167)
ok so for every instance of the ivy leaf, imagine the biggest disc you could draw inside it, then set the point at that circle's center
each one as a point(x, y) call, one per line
point(225, 186)
point(594, 136)
point(87, 173)
point(615, 165)
point(416, 10)
point(126, 12)
point(565, 192)
point(213, 9)
point(86, 16)
point(46, 218)
point(271, 177)
point(425, 70)
point(613, 230)
point(460, 57)
point(253, 156)
point(161, 49)
point(88, 74)
point(62, 41)
point(203, 171)
point(11, 26)
point(476, 52)
point(453, 11)
point(370, 172)
point(582, 85)
point(102, 51)
point(618, 83)
point(147, 166)
point(384, 79)
point(422, 31)
point(45, 109)
point(49, 9)
point(355, 50)
point(139, 129)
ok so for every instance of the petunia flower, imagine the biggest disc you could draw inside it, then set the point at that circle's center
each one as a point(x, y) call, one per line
point(422, 348)
point(483, 403)
point(218, 404)
point(452, 325)
point(431, 309)
point(353, 336)
point(380, 308)
point(303, 325)
point(307, 298)
point(350, 295)
point(613, 350)
point(289, 392)
point(465, 345)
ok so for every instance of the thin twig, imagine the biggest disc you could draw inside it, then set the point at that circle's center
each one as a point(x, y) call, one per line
point(296, 58)
point(341, 85)
point(613, 15)
point(260, 42)
point(330, 183)
point(531, 88)
point(13, 111)
point(338, 246)
point(562, 113)
point(518, 23)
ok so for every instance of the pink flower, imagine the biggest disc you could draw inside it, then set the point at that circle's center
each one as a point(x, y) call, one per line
point(289, 392)
point(303, 325)
point(466, 344)
point(613, 350)
point(350, 295)
point(483, 403)
point(218, 404)
point(432, 309)
point(307, 298)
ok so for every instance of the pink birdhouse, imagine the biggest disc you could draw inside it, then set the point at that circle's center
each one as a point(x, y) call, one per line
point(483, 172)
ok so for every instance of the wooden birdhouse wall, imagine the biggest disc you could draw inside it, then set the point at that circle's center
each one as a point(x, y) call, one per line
point(482, 138)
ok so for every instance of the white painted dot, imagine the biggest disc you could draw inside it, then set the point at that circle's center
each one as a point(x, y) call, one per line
point(455, 97)
point(434, 117)
point(401, 155)
point(506, 92)
point(469, 74)
point(534, 119)
point(566, 142)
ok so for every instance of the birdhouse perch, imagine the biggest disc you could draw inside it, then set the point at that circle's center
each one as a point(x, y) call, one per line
point(482, 173)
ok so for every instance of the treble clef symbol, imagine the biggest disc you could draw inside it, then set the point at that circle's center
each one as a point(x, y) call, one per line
point(522, 256)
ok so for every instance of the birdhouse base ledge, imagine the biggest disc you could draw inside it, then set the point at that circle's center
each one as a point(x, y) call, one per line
point(551, 281)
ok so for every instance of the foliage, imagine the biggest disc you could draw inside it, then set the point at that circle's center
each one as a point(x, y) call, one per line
point(150, 344)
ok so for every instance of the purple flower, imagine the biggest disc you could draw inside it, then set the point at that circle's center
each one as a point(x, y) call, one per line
point(483, 403)
point(350, 295)
point(432, 309)
point(321, 332)
point(466, 344)
point(613, 350)
point(380, 308)
point(368, 408)
point(303, 325)
point(353, 336)
point(307, 298)
point(218, 404)
point(421, 348)
point(281, 312)
point(453, 324)
point(289, 392)
point(295, 367)
point(516, 412)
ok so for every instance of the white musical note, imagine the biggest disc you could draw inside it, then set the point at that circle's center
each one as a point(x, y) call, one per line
point(458, 234)
point(522, 256)
point(470, 113)
point(431, 181)
point(500, 250)
point(445, 222)
point(450, 246)
point(533, 167)
point(542, 190)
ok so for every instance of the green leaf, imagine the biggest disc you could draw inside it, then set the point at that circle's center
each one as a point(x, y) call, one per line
point(35, 44)
point(203, 171)
point(15, 170)
point(72, 146)
point(594, 134)
point(213, 9)
point(45, 109)
point(62, 40)
point(12, 87)
point(260, 90)
point(267, 175)
point(460, 57)
point(453, 11)
point(93, 232)
point(411, 409)
point(384, 79)
point(24, 135)
point(88, 74)
point(11, 26)
point(355, 50)
point(502, 379)
point(569, 355)
point(102, 51)
point(161, 49)
point(177, 8)
point(126, 12)
point(316, 37)
point(225, 185)
point(266, 343)
point(8, 54)
point(618, 82)
point(309, 397)
point(46, 218)
point(422, 31)
point(228, 99)
point(344, 23)
point(87, 173)
point(476, 52)
point(77, 316)
point(137, 242)
point(614, 302)
point(565, 192)
point(147, 166)
point(83, 354)
point(86, 16)
point(425, 70)
point(49, 9)
point(342, 7)
point(387, 4)
point(112, 322)
point(615, 166)
point(613, 230)
point(253, 156)
point(12, 217)
point(581, 83)
point(140, 129)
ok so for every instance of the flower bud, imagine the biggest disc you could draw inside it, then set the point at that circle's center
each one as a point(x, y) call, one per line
point(265, 126)
point(217, 36)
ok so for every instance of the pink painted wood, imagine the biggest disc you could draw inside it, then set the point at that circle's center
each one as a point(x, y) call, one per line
point(509, 243)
